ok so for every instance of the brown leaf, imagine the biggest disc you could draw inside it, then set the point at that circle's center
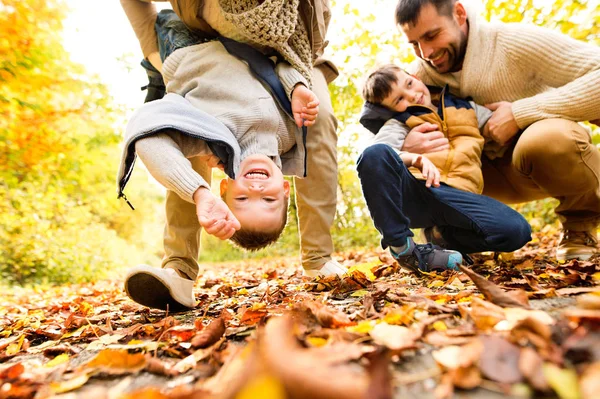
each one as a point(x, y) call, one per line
point(327, 317)
point(495, 294)
point(485, 314)
point(439, 338)
point(380, 386)
point(306, 376)
point(156, 366)
point(466, 377)
point(590, 381)
point(530, 365)
point(500, 360)
point(225, 290)
point(211, 334)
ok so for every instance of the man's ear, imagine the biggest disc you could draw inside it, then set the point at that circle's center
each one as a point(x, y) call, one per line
point(223, 186)
point(460, 14)
point(286, 188)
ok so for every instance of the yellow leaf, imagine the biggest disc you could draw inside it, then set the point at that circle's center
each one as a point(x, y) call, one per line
point(316, 341)
point(60, 359)
point(359, 293)
point(563, 381)
point(15, 348)
point(264, 386)
point(361, 328)
point(436, 284)
point(366, 269)
point(439, 326)
point(242, 291)
point(69, 385)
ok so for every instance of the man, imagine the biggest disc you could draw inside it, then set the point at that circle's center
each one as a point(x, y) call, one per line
point(316, 199)
point(539, 84)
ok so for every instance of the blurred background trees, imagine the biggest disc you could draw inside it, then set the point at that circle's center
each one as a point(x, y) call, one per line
point(60, 131)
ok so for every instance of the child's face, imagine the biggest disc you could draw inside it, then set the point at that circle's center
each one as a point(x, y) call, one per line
point(259, 195)
point(407, 90)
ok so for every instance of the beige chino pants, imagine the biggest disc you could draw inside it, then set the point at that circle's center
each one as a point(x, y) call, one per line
point(316, 198)
point(552, 158)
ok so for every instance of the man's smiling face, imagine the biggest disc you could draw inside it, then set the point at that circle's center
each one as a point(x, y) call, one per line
point(439, 39)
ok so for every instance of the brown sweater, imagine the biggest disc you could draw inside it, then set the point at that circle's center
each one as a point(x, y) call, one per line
point(142, 15)
point(543, 73)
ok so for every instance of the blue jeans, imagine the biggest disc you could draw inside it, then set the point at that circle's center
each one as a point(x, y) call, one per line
point(468, 222)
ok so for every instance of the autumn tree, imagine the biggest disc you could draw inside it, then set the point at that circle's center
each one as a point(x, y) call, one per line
point(58, 154)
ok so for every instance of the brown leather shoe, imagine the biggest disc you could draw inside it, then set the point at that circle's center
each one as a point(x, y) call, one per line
point(580, 245)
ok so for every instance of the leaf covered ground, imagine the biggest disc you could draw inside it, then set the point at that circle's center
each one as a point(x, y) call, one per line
point(516, 325)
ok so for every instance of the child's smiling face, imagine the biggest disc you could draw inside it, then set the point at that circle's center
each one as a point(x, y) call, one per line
point(407, 90)
point(258, 197)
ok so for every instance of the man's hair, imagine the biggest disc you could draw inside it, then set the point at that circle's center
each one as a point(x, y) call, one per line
point(407, 11)
point(379, 83)
point(253, 240)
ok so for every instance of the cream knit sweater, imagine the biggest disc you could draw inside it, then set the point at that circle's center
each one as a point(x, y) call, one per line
point(543, 73)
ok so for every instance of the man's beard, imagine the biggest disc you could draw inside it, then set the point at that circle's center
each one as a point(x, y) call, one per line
point(458, 54)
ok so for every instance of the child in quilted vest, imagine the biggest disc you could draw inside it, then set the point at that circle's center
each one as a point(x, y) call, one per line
point(396, 102)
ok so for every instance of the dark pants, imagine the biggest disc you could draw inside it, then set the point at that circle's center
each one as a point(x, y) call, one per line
point(468, 222)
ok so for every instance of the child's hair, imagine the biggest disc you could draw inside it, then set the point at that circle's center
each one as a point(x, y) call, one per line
point(379, 83)
point(253, 240)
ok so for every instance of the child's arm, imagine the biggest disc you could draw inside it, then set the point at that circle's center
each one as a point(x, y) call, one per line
point(429, 171)
point(392, 133)
point(305, 104)
point(214, 215)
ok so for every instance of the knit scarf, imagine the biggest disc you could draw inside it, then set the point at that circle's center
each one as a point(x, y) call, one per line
point(276, 24)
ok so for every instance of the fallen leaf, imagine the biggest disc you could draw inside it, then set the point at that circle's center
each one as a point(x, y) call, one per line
point(530, 365)
point(306, 376)
point(12, 372)
point(58, 387)
point(495, 294)
point(329, 318)
point(209, 335)
point(116, 362)
point(590, 381)
point(563, 381)
point(395, 338)
point(60, 359)
point(500, 360)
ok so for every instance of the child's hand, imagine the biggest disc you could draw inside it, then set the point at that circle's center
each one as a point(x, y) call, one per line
point(428, 170)
point(214, 215)
point(305, 106)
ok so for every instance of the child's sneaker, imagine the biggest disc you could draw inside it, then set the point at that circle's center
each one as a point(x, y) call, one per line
point(425, 257)
point(159, 288)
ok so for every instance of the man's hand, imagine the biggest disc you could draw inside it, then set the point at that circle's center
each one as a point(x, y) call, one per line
point(213, 161)
point(424, 139)
point(502, 124)
point(305, 106)
point(214, 215)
